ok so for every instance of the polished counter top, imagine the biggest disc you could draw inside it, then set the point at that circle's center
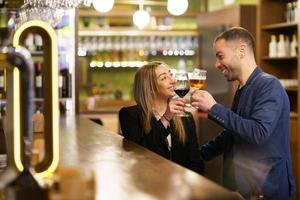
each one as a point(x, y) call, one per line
point(125, 170)
point(94, 105)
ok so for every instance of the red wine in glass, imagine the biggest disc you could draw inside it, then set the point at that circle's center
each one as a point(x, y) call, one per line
point(181, 92)
point(182, 87)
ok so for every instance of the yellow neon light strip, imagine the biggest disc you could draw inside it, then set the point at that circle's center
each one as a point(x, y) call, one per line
point(55, 100)
point(16, 117)
point(55, 106)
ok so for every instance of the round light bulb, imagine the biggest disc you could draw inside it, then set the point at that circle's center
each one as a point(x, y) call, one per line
point(141, 18)
point(103, 5)
point(177, 7)
point(228, 2)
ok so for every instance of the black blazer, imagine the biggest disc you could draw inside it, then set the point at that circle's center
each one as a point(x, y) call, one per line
point(187, 154)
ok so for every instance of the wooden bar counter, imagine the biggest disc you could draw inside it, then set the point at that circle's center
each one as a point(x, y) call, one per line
point(125, 170)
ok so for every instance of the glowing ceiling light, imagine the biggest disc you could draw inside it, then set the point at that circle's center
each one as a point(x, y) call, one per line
point(177, 7)
point(228, 2)
point(103, 5)
point(141, 18)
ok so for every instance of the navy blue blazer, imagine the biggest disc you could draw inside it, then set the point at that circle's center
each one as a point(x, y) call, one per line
point(255, 141)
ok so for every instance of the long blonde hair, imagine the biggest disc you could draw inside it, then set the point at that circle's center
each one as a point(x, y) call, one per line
point(145, 91)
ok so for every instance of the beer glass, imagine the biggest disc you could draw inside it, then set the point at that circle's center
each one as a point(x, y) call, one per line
point(198, 79)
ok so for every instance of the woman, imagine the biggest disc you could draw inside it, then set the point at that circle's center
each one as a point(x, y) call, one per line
point(153, 123)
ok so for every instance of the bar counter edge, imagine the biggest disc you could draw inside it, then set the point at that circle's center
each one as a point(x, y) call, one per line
point(125, 170)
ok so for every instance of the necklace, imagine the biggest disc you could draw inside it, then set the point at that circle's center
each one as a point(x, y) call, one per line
point(157, 115)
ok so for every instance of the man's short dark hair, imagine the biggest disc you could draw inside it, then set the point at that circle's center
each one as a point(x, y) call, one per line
point(236, 34)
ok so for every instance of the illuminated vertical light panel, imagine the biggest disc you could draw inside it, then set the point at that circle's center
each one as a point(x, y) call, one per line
point(27, 26)
point(16, 118)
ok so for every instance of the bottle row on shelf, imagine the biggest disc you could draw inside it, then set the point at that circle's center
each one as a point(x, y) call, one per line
point(289, 83)
point(284, 46)
point(168, 45)
point(65, 82)
point(181, 64)
point(291, 12)
point(4, 14)
point(64, 85)
point(34, 42)
point(37, 127)
point(133, 58)
point(116, 64)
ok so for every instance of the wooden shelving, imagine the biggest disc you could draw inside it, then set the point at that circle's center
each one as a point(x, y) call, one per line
point(294, 115)
point(117, 31)
point(60, 99)
point(37, 53)
point(128, 13)
point(120, 43)
point(283, 25)
point(41, 53)
point(292, 89)
point(284, 68)
point(279, 58)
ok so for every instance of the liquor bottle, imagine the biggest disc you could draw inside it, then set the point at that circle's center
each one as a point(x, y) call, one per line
point(69, 80)
point(281, 46)
point(67, 83)
point(181, 64)
point(3, 17)
point(273, 46)
point(3, 147)
point(289, 12)
point(295, 11)
point(29, 42)
point(38, 41)
point(2, 3)
point(2, 84)
point(287, 45)
point(294, 46)
point(38, 80)
point(60, 85)
point(38, 122)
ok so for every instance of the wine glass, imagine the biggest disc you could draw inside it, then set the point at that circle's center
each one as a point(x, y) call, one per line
point(198, 79)
point(182, 86)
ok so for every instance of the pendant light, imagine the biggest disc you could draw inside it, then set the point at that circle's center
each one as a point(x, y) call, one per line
point(141, 18)
point(103, 5)
point(177, 7)
point(228, 2)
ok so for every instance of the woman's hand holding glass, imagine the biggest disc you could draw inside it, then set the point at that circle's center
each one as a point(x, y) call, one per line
point(175, 108)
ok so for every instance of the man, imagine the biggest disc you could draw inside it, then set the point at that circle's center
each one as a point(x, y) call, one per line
point(255, 140)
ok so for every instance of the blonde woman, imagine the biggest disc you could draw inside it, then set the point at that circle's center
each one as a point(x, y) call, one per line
point(153, 123)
